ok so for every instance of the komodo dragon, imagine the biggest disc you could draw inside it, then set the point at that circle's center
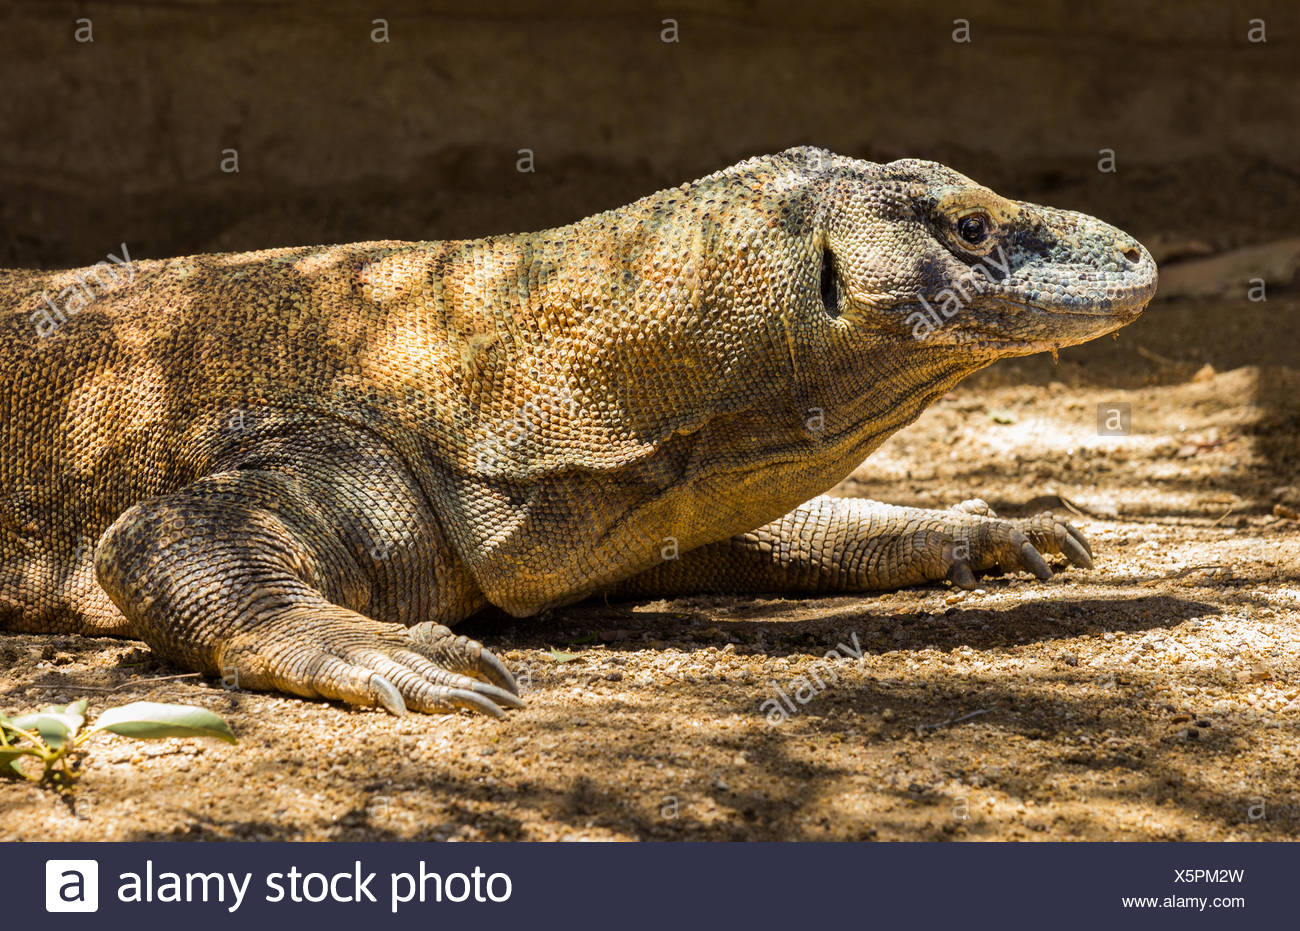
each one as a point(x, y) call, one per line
point(296, 468)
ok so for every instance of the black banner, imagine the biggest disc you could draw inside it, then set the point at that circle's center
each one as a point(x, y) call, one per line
point(654, 886)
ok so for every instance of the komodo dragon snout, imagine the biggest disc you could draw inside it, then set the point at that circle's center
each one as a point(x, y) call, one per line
point(297, 468)
point(929, 252)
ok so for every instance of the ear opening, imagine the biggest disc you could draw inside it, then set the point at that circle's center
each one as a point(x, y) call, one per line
point(830, 283)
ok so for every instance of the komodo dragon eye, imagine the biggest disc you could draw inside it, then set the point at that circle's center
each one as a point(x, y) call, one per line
point(973, 228)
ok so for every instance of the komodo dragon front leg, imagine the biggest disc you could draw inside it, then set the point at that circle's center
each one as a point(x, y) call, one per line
point(853, 545)
point(298, 570)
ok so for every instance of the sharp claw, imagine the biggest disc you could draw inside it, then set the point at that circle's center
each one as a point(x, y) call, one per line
point(1075, 552)
point(960, 575)
point(472, 701)
point(462, 655)
point(387, 695)
point(1033, 560)
point(496, 671)
point(1080, 539)
point(500, 696)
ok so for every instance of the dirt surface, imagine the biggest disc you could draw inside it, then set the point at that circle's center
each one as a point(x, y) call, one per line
point(1154, 697)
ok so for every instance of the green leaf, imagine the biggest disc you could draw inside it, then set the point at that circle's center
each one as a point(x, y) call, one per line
point(1002, 416)
point(147, 720)
point(9, 760)
point(76, 709)
point(9, 763)
point(55, 727)
point(558, 657)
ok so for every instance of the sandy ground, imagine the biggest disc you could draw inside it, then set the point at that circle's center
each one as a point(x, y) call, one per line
point(1154, 697)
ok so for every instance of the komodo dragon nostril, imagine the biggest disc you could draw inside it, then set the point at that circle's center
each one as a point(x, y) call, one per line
point(1133, 255)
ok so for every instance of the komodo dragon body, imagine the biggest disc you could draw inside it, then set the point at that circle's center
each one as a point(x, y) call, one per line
point(295, 468)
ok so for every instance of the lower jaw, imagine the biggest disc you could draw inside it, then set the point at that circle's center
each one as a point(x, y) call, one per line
point(1010, 346)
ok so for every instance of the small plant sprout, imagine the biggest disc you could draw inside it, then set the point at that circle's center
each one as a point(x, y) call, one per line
point(54, 735)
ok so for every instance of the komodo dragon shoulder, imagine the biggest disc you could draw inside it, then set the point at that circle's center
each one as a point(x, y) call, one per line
point(298, 468)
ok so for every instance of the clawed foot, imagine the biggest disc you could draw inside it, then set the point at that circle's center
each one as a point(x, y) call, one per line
point(982, 541)
point(346, 657)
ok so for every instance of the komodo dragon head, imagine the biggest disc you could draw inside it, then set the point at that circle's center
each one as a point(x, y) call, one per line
point(915, 247)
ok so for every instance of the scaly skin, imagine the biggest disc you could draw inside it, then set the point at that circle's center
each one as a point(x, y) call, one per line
point(295, 467)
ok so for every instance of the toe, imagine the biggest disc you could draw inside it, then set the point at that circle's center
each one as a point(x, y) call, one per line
point(426, 686)
point(1032, 561)
point(462, 655)
point(440, 676)
point(976, 506)
point(1075, 552)
point(434, 699)
point(495, 671)
point(329, 652)
point(1073, 533)
point(325, 675)
point(387, 695)
point(1057, 537)
point(960, 575)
